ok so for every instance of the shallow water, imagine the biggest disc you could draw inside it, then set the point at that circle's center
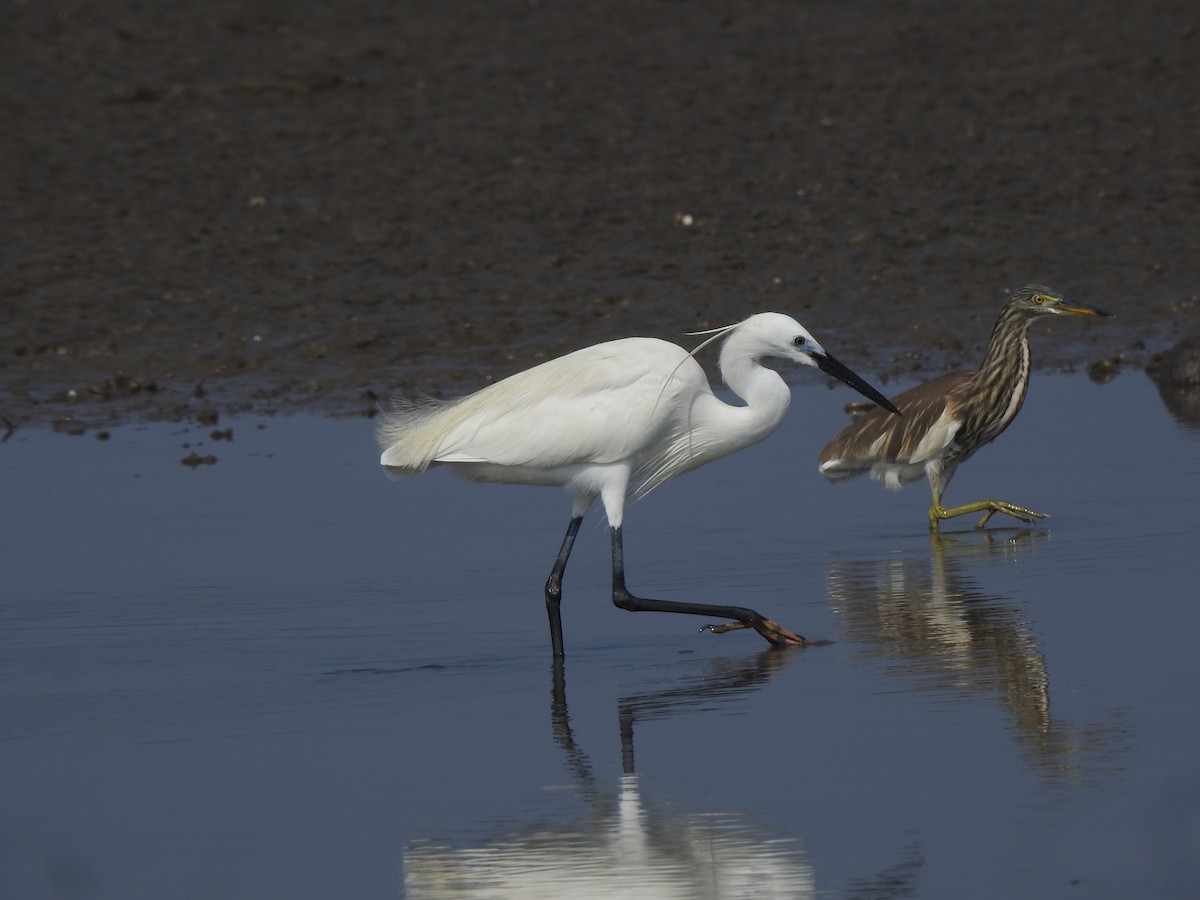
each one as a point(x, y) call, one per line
point(283, 675)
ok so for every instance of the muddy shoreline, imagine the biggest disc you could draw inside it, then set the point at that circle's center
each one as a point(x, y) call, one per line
point(217, 208)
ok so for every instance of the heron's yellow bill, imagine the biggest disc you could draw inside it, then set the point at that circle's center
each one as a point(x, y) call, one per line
point(1068, 307)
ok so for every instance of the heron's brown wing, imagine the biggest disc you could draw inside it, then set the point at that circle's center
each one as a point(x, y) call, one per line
point(927, 422)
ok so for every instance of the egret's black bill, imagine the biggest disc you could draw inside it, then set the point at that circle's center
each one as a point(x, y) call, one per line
point(831, 366)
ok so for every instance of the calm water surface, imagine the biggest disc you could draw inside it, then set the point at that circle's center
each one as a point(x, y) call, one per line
point(284, 676)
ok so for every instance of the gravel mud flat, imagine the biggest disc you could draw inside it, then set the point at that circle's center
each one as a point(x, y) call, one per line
point(226, 207)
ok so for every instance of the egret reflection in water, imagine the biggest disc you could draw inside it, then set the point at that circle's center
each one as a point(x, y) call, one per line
point(625, 847)
point(931, 622)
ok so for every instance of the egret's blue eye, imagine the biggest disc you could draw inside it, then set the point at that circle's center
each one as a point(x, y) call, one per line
point(799, 341)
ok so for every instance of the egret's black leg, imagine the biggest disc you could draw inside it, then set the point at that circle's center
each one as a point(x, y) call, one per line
point(742, 617)
point(554, 586)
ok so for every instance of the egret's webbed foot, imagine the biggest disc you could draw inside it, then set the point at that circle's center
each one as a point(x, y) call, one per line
point(772, 631)
point(741, 616)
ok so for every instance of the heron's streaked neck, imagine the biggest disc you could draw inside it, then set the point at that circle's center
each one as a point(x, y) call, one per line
point(1003, 377)
point(1007, 356)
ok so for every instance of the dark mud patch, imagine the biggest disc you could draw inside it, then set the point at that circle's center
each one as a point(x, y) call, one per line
point(231, 206)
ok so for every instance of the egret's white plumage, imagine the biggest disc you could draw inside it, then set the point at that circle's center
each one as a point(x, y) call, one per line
point(611, 420)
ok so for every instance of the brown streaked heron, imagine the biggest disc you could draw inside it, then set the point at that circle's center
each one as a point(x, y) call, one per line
point(944, 421)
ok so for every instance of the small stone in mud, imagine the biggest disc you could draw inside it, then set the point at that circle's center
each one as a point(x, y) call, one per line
point(225, 434)
point(194, 459)
point(1104, 370)
point(1181, 364)
point(68, 425)
point(207, 417)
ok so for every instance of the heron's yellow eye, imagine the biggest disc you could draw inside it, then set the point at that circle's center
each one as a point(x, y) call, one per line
point(1040, 299)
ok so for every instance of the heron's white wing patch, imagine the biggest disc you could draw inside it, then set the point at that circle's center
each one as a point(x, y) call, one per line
point(939, 436)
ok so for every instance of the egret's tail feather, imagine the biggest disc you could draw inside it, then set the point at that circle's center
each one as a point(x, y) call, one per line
point(410, 433)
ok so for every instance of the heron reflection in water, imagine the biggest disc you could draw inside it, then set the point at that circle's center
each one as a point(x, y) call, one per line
point(936, 628)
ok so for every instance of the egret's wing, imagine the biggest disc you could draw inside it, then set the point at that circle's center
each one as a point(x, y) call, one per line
point(598, 405)
point(592, 408)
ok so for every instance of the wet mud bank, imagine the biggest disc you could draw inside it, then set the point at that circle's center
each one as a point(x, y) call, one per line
point(217, 208)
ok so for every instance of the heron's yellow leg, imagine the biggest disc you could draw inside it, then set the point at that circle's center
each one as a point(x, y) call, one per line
point(937, 512)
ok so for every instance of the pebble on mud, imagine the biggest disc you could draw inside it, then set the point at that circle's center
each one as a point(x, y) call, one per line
point(1181, 364)
point(194, 459)
point(1105, 369)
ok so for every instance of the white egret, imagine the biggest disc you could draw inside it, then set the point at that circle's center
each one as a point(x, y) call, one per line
point(614, 420)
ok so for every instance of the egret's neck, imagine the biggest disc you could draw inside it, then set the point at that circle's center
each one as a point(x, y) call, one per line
point(765, 393)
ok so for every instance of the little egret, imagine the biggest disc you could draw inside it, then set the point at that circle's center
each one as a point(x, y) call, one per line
point(614, 420)
point(944, 421)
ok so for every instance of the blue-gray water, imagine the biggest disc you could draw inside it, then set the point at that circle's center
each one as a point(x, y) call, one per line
point(283, 675)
